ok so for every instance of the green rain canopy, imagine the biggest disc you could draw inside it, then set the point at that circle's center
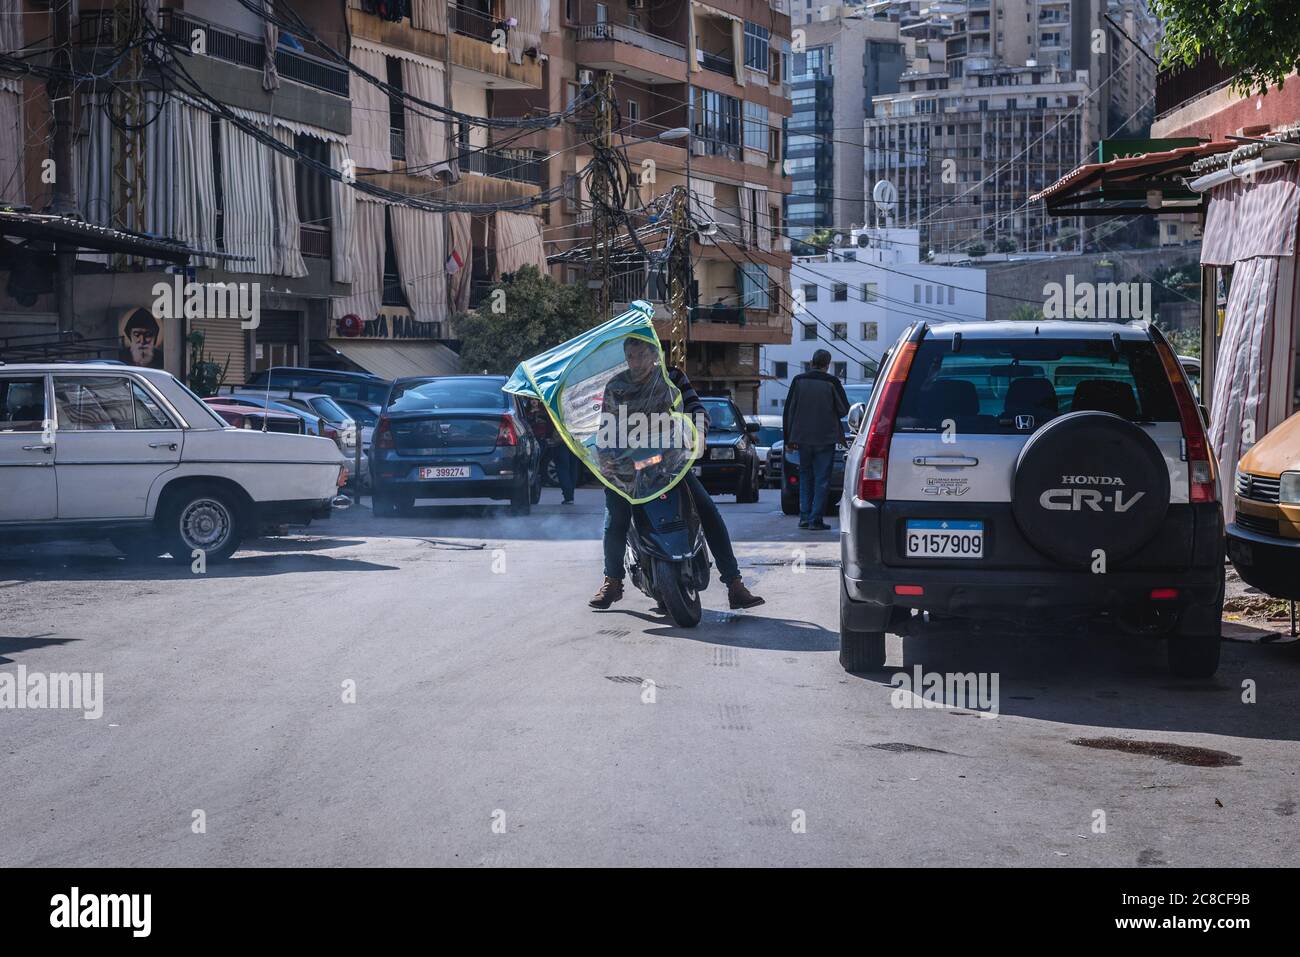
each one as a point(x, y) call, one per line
point(611, 400)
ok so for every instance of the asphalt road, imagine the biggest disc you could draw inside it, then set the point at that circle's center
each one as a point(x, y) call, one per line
point(499, 721)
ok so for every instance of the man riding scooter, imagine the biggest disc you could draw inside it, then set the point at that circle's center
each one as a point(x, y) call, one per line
point(642, 391)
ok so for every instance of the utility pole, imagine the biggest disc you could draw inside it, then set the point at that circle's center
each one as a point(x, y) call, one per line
point(679, 275)
point(602, 195)
point(127, 105)
point(64, 201)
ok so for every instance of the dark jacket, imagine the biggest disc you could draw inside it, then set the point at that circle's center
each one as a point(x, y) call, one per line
point(813, 409)
point(691, 403)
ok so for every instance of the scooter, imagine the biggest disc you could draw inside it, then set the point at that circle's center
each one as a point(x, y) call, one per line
point(666, 554)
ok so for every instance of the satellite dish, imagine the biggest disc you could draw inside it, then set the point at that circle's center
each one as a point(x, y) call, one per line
point(838, 239)
point(885, 195)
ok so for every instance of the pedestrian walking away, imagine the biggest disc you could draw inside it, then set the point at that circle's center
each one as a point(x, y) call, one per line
point(814, 407)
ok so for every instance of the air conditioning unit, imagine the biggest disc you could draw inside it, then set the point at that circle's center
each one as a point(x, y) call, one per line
point(584, 78)
point(697, 148)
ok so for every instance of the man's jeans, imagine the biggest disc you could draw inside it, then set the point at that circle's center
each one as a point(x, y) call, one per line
point(815, 463)
point(566, 469)
point(618, 518)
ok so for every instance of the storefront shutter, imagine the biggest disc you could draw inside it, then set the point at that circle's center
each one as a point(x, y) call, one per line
point(222, 338)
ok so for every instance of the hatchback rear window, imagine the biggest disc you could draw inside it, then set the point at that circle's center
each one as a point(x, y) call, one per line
point(449, 393)
point(1015, 385)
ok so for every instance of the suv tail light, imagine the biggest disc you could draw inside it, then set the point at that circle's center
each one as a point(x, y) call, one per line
point(383, 437)
point(880, 430)
point(506, 434)
point(1204, 486)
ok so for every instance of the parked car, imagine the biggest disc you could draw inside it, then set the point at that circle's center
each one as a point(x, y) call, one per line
point(453, 437)
point(312, 424)
point(334, 422)
point(132, 455)
point(365, 415)
point(1032, 472)
point(336, 383)
point(730, 462)
point(270, 420)
point(768, 432)
point(1264, 536)
point(787, 476)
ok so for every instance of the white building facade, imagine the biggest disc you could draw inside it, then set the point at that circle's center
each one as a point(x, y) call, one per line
point(855, 302)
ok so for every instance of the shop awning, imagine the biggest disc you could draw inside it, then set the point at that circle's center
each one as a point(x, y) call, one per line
point(1149, 182)
point(80, 235)
point(395, 359)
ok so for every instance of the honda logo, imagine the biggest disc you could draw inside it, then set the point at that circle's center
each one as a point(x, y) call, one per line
point(1024, 422)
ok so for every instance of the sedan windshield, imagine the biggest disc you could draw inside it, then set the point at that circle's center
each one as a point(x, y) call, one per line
point(722, 416)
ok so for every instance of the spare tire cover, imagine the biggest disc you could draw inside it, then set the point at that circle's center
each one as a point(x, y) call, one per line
point(1089, 481)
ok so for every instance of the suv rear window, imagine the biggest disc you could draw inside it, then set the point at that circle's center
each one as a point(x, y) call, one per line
point(448, 393)
point(989, 383)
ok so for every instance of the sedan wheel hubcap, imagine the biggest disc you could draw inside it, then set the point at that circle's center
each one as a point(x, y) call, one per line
point(205, 524)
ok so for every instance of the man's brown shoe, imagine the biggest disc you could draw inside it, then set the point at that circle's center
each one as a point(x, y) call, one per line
point(608, 593)
point(738, 596)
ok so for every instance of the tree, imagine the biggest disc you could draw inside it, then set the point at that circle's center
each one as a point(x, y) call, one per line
point(1257, 39)
point(976, 250)
point(1005, 245)
point(535, 313)
point(1026, 313)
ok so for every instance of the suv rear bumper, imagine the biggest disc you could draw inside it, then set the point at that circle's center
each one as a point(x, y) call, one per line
point(1034, 594)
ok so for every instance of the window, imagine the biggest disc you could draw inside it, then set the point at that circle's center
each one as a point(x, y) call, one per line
point(868, 292)
point(756, 46)
point(806, 366)
point(781, 369)
point(718, 116)
point(106, 404)
point(916, 293)
point(840, 292)
point(841, 370)
point(571, 11)
point(868, 371)
point(602, 13)
point(22, 405)
point(810, 292)
point(633, 111)
point(396, 115)
point(810, 331)
point(753, 287)
point(756, 127)
point(929, 294)
point(952, 295)
point(870, 331)
point(840, 330)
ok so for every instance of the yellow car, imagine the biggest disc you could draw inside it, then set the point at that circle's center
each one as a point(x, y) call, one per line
point(1264, 538)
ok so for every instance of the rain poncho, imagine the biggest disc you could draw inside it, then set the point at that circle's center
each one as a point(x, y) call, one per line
point(611, 400)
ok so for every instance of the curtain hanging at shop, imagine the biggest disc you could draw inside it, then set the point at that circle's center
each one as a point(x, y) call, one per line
point(271, 40)
point(367, 264)
point(289, 261)
point(518, 243)
point(1251, 226)
point(462, 245)
point(11, 31)
point(369, 144)
point(419, 248)
point(343, 202)
point(194, 211)
point(247, 216)
point(426, 130)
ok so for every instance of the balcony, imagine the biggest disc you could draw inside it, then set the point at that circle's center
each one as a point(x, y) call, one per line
point(1177, 85)
point(631, 53)
point(519, 168)
point(469, 22)
point(314, 241)
point(733, 315)
point(230, 45)
point(717, 64)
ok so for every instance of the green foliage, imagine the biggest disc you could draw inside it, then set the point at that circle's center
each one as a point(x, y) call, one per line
point(1026, 313)
point(976, 250)
point(206, 375)
point(1258, 39)
point(538, 313)
point(1005, 245)
point(1186, 342)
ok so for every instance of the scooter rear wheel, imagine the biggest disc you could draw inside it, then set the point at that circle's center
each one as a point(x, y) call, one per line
point(681, 599)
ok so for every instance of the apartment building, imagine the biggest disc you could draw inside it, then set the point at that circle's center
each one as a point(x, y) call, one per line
point(1002, 95)
point(342, 278)
point(855, 301)
point(845, 63)
point(717, 70)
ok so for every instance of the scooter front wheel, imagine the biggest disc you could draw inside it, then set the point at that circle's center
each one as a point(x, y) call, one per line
point(682, 599)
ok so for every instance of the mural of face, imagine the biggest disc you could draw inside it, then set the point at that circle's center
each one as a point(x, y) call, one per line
point(141, 345)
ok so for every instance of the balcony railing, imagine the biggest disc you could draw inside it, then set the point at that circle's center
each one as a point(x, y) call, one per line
point(315, 241)
point(397, 144)
point(717, 64)
point(522, 167)
point(223, 43)
point(734, 315)
point(1176, 85)
point(632, 37)
point(704, 146)
point(470, 22)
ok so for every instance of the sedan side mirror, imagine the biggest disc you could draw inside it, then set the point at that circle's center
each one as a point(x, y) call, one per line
point(857, 412)
point(752, 427)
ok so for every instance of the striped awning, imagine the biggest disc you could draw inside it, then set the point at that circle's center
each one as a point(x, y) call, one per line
point(395, 359)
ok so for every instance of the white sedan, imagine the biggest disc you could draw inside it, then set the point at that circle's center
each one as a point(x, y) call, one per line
point(132, 455)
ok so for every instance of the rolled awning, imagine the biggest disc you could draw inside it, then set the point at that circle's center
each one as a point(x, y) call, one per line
point(395, 360)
